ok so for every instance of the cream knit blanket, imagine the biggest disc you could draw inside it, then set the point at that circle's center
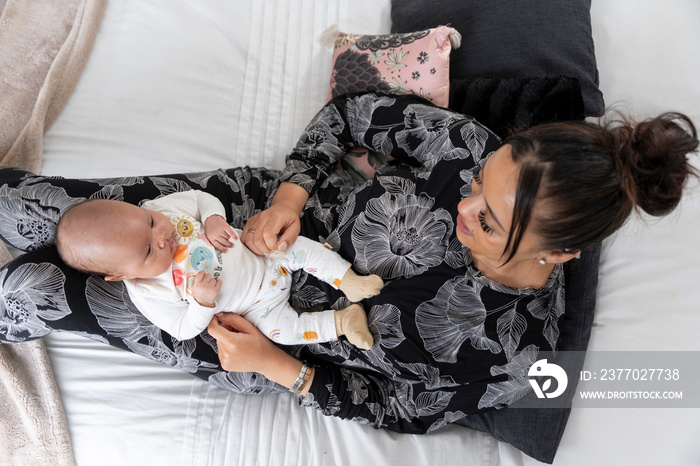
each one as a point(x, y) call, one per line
point(44, 45)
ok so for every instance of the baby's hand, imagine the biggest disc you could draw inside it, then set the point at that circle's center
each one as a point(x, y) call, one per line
point(219, 233)
point(205, 289)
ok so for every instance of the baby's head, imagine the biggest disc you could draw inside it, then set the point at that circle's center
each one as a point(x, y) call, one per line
point(115, 239)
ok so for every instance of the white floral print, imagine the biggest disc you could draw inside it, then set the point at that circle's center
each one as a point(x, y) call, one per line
point(427, 135)
point(501, 394)
point(245, 382)
point(454, 316)
point(35, 210)
point(399, 235)
point(320, 137)
point(115, 313)
point(360, 111)
point(31, 293)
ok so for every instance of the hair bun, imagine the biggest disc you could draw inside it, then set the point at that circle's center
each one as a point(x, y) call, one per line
point(651, 158)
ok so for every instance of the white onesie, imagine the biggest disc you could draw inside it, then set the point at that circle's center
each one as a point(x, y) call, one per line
point(255, 287)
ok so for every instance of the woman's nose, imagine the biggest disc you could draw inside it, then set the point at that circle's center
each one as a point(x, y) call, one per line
point(469, 207)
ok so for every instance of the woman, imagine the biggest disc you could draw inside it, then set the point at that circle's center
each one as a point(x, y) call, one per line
point(469, 234)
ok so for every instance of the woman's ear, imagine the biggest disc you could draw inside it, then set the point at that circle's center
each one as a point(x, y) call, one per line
point(558, 257)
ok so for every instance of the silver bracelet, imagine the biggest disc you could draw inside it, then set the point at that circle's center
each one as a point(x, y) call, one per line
point(302, 379)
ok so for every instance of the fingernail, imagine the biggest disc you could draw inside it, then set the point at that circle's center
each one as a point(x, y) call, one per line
point(282, 247)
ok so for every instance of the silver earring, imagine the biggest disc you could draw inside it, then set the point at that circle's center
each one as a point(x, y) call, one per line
point(542, 262)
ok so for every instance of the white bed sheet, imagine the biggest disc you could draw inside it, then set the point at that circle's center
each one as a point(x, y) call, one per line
point(185, 85)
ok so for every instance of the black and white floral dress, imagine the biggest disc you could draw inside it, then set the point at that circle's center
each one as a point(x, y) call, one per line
point(448, 341)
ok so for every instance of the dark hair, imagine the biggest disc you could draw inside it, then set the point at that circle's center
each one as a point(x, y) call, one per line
point(590, 177)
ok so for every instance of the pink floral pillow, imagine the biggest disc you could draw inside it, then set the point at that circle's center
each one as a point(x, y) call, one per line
point(417, 62)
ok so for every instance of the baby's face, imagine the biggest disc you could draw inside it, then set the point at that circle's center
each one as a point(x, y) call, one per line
point(145, 245)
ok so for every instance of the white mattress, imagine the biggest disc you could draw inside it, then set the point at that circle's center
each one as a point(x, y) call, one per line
point(185, 85)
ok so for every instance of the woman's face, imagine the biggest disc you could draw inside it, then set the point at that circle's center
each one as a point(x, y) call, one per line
point(484, 217)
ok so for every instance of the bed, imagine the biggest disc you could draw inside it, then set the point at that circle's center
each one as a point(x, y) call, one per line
point(182, 86)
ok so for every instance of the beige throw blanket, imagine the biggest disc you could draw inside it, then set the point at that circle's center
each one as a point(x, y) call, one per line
point(44, 45)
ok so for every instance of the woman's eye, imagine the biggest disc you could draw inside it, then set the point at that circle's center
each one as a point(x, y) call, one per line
point(482, 221)
point(477, 176)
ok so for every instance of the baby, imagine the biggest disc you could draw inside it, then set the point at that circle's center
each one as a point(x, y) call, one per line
point(182, 263)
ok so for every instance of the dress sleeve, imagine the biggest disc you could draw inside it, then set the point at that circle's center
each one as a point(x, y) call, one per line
point(404, 127)
point(384, 403)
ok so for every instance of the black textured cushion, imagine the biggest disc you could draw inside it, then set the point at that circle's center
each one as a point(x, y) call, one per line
point(513, 38)
point(508, 105)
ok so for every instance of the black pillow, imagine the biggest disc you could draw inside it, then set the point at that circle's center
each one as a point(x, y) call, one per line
point(509, 105)
point(513, 39)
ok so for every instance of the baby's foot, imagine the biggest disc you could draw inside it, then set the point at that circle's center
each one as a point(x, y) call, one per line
point(358, 287)
point(352, 322)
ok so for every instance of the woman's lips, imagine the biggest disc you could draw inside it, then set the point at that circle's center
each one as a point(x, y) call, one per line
point(462, 227)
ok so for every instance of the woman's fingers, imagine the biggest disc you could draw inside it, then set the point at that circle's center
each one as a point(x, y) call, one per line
point(241, 346)
point(262, 231)
point(288, 236)
point(234, 321)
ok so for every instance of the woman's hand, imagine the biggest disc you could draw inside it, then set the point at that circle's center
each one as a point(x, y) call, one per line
point(274, 228)
point(278, 226)
point(243, 348)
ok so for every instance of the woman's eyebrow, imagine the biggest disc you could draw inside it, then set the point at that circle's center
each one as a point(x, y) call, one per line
point(488, 208)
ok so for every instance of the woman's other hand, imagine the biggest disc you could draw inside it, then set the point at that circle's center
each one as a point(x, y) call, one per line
point(277, 226)
point(274, 228)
